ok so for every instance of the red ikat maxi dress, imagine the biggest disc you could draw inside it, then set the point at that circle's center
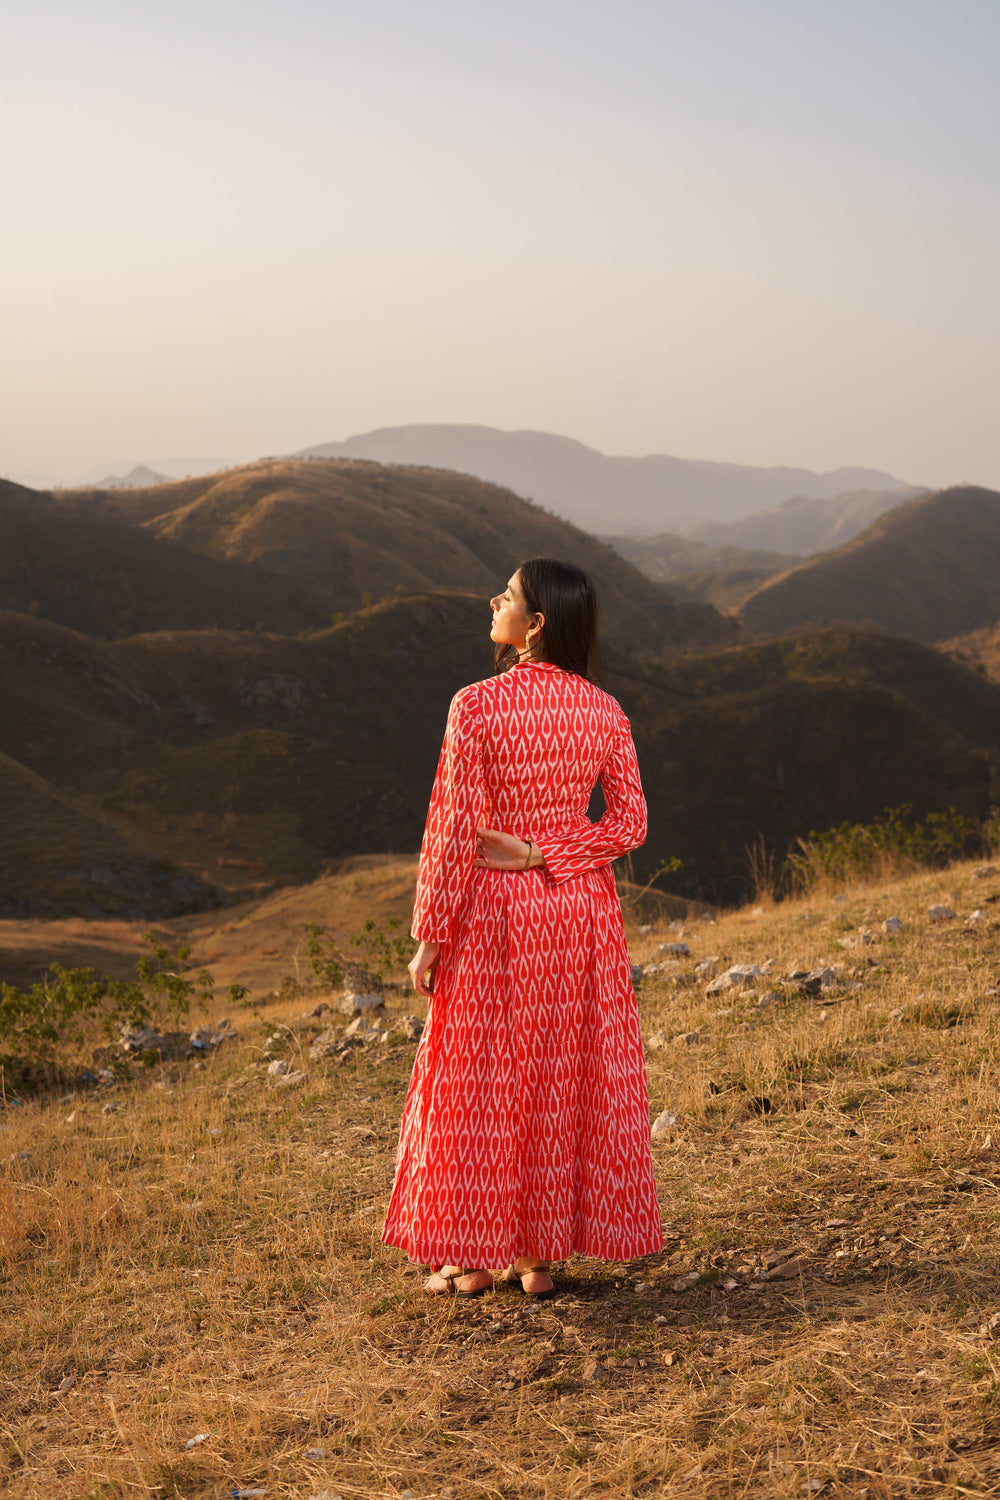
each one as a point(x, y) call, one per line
point(526, 1125)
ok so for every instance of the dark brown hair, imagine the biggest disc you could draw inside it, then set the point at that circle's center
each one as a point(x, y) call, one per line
point(568, 600)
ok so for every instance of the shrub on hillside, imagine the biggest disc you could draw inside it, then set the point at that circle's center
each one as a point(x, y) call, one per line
point(44, 1029)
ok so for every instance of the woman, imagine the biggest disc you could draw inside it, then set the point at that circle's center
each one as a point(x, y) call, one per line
point(525, 1134)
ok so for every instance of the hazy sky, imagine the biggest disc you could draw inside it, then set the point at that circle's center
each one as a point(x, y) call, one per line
point(766, 231)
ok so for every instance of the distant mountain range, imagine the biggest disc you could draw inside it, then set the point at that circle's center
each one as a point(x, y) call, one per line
point(601, 493)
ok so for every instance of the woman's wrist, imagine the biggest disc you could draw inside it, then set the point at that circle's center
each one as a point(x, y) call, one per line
point(535, 858)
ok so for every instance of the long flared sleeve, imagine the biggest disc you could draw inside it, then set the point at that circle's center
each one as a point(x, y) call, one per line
point(623, 825)
point(449, 844)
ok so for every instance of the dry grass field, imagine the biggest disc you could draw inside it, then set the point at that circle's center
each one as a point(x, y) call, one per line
point(197, 1303)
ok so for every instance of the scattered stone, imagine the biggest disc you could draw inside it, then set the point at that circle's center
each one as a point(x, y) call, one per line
point(321, 1009)
point(292, 1080)
point(199, 1437)
point(657, 1040)
point(736, 978)
point(66, 1384)
point(641, 1288)
point(206, 1038)
point(897, 1013)
point(362, 1032)
point(706, 969)
point(592, 1371)
point(410, 1028)
point(686, 1282)
point(71, 1118)
point(774, 1257)
point(676, 950)
point(940, 914)
point(663, 1124)
point(758, 911)
point(278, 1068)
point(689, 1038)
point(110, 1109)
point(135, 1040)
point(768, 966)
point(974, 918)
point(892, 924)
point(984, 872)
point(644, 928)
point(768, 998)
point(636, 976)
point(355, 1004)
point(327, 1044)
point(730, 1284)
point(676, 926)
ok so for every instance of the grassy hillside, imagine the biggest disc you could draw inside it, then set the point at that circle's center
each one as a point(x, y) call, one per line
point(99, 575)
point(930, 569)
point(351, 532)
point(60, 857)
point(979, 649)
point(250, 759)
point(195, 1253)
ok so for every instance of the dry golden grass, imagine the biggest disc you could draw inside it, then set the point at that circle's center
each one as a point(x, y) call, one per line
point(205, 1259)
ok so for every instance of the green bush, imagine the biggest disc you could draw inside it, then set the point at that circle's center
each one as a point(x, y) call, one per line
point(42, 1029)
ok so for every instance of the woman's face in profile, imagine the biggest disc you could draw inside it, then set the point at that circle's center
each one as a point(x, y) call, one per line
point(511, 619)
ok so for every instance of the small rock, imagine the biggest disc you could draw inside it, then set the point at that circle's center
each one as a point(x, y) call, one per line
point(199, 1437)
point(660, 1320)
point(859, 939)
point(686, 1282)
point(206, 1038)
point(689, 1038)
point(983, 872)
point(278, 1068)
point(641, 1288)
point(657, 1040)
point(897, 1013)
point(410, 1028)
point(592, 1371)
point(327, 1044)
point(71, 1117)
point(292, 1080)
point(675, 950)
point(706, 969)
point(974, 918)
point(786, 1269)
point(663, 1124)
point(757, 911)
point(729, 1285)
point(736, 978)
point(67, 1383)
point(110, 1109)
point(357, 1004)
point(892, 924)
point(940, 914)
point(644, 928)
point(636, 976)
point(321, 1009)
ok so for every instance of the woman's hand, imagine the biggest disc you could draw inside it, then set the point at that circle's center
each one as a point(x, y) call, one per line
point(502, 851)
point(422, 966)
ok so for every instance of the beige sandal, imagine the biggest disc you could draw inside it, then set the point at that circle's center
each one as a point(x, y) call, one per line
point(513, 1277)
point(444, 1282)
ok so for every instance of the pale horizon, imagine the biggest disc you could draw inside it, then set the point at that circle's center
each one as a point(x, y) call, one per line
point(741, 235)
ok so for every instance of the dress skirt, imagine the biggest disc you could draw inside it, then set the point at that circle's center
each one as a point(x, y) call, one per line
point(526, 1124)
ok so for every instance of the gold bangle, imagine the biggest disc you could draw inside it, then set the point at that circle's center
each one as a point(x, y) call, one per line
point(527, 862)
